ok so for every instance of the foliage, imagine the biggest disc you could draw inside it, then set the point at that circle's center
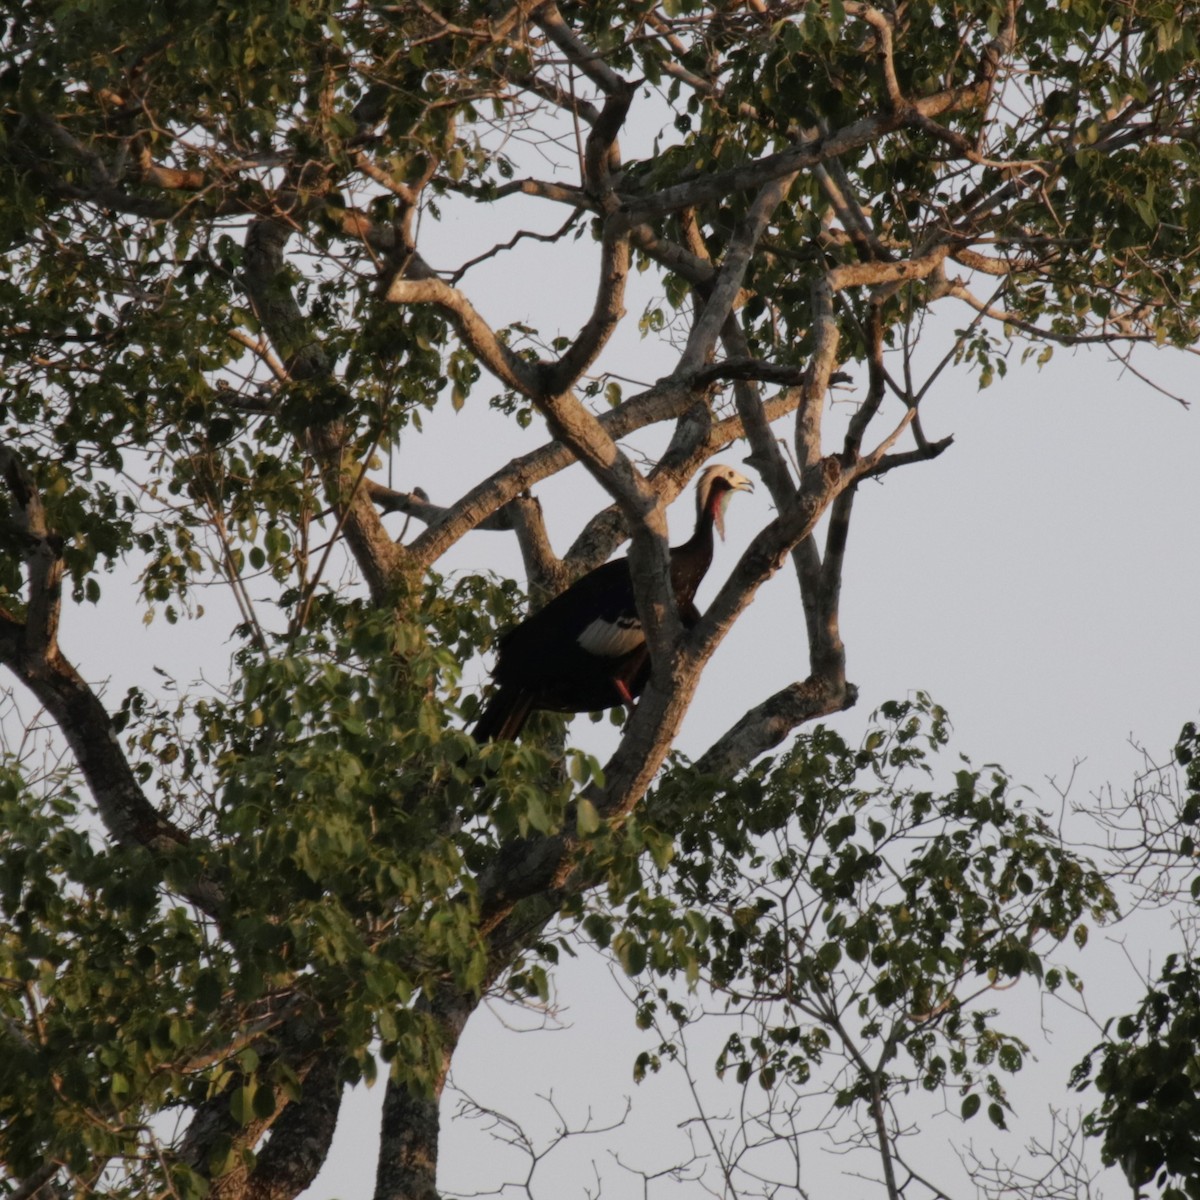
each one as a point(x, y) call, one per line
point(1147, 1068)
point(863, 916)
point(1147, 1077)
point(860, 917)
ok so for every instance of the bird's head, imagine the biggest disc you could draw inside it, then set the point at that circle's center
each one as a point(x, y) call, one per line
point(717, 483)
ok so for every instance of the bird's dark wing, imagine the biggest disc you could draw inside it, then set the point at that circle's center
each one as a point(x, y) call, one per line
point(596, 615)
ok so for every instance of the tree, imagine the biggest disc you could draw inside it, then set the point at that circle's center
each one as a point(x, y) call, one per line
point(1147, 1066)
point(219, 322)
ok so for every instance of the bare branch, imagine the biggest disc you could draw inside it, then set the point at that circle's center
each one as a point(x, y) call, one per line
point(728, 282)
point(519, 236)
point(265, 280)
point(30, 650)
point(769, 723)
point(29, 1187)
point(580, 55)
point(511, 370)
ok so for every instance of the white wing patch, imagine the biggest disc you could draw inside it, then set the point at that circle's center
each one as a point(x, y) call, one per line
point(611, 639)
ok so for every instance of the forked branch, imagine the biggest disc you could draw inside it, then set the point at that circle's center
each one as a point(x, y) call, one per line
point(30, 650)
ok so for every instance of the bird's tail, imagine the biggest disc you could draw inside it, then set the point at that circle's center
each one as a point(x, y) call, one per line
point(505, 715)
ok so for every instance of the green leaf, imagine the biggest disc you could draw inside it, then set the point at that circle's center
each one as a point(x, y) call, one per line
point(587, 819)
point(241, 1103)
point(207, 991)
point(263, 1103)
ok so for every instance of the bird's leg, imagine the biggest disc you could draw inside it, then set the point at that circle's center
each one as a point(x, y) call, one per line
point(626, 695)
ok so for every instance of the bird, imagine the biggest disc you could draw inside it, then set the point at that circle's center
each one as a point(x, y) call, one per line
point(586, 650)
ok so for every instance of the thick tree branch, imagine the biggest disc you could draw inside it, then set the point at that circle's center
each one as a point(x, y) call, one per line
point(836, 186)
point(820, 372)
point(30, 650)
point(382, 562)
point(607, 311)
point(889, 274)
point(769, 723)
point(578, 52)
point(663, 402)
point(714, 187)
point(602, 159)
point(544, 570)
point(43, 559)
point(408, 1151)
point(127, 815)
point(727, 285)
point(32, 1185)
point(300, 1137)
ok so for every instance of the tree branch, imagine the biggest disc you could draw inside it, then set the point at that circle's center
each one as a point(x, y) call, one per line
point(727, 285)
point(300, 1137)
point(264, 277)
point(715, 187)
point(578, 53)
point(30, 650)
point(475, 332)
point(767, 724)
point(408, 1150)
point(544, 570)
point(43, 559)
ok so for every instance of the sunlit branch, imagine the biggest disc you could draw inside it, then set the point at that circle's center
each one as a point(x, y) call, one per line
point(544, 570)
point(806, 154)
point(508, 367)
point(770, 722)
point(304, 356)
point(659, 404)
point(881, 23)
point(581, 55)
point(727, 283)
point(262, 351)
point(888, 274)
point(820, 372)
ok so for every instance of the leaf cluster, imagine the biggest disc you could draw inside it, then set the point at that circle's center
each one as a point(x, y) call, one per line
point(1147, 1070)
point(856, 915)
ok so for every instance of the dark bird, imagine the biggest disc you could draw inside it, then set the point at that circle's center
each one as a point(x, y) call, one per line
point(586, 650)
